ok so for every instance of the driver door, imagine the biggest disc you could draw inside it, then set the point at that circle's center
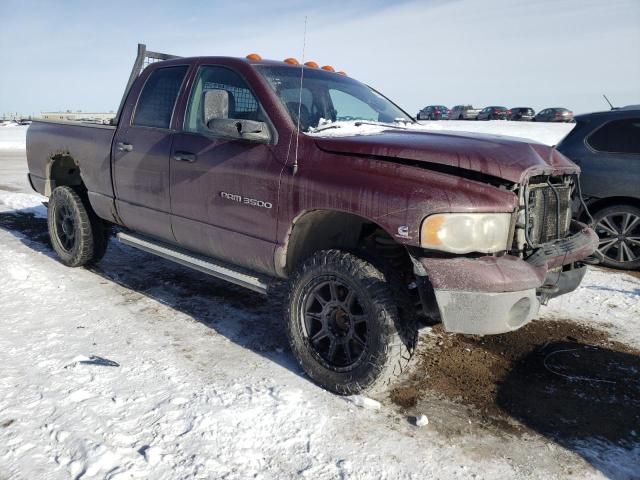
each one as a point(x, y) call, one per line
point(224, 192)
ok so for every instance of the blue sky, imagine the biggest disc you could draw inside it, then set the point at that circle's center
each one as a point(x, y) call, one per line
point(539, 53)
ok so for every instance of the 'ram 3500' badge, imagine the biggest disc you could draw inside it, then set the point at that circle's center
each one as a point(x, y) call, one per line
point(252, 202)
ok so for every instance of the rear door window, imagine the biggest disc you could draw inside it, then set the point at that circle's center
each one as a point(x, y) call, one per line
point(158, 97)
point(617, 136)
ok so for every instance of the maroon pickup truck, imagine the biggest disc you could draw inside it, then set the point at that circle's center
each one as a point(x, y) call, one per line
point(254, 170)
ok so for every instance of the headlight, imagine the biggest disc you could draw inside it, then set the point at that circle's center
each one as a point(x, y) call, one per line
point(466, 232)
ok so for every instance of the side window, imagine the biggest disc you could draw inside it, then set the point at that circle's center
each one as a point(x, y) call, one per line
point(617, 136)
point(348, 107)
point(243, 105)
point(158, 97)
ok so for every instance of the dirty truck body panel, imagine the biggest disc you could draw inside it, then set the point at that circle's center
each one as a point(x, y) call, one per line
point(244, 202)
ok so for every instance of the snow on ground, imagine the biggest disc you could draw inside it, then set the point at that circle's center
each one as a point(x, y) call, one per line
point(13, 137)
point(29, 203)
point(607, 299)
point(547, 133)
point(139, 368)
point(189, 399)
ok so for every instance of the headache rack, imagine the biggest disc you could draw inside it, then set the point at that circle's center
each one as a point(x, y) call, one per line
point(144, 58)
point(547, 209)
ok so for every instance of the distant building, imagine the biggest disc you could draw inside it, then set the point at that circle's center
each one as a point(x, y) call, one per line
point(98, 117)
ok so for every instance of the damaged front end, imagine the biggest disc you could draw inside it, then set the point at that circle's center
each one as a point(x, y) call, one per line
point(501, 292)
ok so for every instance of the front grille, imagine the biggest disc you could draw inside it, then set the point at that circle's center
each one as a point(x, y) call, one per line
point(547, 222)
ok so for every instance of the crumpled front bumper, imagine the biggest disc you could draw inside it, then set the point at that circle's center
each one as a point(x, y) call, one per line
point(490, 295)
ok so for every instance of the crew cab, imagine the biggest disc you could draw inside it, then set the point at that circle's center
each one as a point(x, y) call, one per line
point(253, 170)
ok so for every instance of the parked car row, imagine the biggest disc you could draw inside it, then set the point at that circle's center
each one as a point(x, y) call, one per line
point(494, 112)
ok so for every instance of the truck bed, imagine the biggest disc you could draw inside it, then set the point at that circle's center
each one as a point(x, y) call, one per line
point(89, 145)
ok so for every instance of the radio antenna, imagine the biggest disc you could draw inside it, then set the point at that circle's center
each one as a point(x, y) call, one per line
point(304, 46)
point(610, 104)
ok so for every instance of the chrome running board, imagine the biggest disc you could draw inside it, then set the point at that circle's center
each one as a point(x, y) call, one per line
point(196, 262)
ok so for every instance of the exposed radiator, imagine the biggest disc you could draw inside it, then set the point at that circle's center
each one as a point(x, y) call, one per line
point(547, 222)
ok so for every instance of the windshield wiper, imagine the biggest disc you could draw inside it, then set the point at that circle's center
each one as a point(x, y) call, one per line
point(326, 127)
point(379, 124)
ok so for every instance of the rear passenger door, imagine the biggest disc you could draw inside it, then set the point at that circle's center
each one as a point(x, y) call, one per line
point(140, 154)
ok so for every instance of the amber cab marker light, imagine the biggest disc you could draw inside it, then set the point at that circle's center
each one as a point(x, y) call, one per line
point(311, 64)
point(342, 73)
point(291, 61)
point(254, 56)
point(328, 68)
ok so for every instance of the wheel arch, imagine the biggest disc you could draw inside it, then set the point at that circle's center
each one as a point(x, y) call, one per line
point(62, 170)
point(595, 205)
point(324, 229)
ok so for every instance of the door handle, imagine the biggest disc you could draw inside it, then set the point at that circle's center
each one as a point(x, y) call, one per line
point(184, 157)
point(124, 147)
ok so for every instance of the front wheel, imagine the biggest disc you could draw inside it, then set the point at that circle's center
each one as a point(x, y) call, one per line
point(345, 328)
point(77, 235)
point(618, 228)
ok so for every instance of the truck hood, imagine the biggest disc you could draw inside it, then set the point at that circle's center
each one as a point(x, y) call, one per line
point(506, 158)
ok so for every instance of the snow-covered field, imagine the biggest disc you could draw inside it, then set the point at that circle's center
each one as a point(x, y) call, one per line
point(547, 133)
point(13, 137)
point(139, 368)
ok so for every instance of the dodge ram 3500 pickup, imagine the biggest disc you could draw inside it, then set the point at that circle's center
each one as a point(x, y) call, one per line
point(253, 170)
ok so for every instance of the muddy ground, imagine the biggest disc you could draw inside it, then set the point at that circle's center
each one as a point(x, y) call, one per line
point(561, 379)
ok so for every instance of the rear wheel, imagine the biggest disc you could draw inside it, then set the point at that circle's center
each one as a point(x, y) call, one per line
point(345, 327)
point(619, 230)
point(78, 236)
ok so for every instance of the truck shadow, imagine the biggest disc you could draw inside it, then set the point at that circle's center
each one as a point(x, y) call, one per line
point(572, 386)
point(585, 398)
point(569, 382)
point(249, 319)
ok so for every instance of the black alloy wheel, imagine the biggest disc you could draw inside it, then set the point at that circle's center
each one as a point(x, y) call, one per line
point(65, 225)
point(335, 323)
point(350, 324)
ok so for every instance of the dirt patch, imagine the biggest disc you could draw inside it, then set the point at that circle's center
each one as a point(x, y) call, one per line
point(405, 396)
point(558, 378)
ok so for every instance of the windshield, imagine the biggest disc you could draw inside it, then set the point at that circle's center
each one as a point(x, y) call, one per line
point(327, 97)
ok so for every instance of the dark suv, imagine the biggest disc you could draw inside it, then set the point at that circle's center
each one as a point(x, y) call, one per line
point(606, 145)
point(523, 114)
point(493, 113)
point(434, 112)
point(554, 115)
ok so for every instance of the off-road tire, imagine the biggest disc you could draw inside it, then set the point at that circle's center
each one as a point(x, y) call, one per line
point(615, 212)
point(88, 236)
point(391, 329)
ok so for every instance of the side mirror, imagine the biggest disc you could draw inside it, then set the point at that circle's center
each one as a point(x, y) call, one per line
point(240, 129)
point(216, 118)
point(215, 105)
